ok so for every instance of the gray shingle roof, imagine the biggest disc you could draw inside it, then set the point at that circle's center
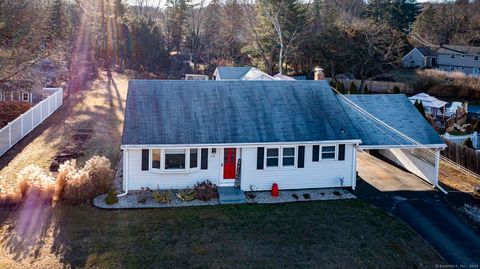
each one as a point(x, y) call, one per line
point(448, 49)
point(233, 72)
point(395, 110)
point(233, 112)
point(426, 51)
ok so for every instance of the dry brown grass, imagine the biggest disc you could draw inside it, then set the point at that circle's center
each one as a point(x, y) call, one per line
point(448, 84)
point(73, 185)
point(457, 180)
point(32, 182)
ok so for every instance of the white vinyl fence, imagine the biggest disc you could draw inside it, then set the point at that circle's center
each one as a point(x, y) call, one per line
point(460, 139)
point(25, 123)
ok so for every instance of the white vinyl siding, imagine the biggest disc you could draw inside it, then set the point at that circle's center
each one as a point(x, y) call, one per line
point(169, 180)
point(322, 174)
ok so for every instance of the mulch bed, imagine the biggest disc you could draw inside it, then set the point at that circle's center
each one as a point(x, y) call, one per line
point(72, 150)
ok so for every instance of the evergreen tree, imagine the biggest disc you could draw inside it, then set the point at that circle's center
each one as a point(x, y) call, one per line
point(340, 87)
point(176, 23)
point(353, 88)
point(426, 25)
point(366, 90)
point(468, 143)
point(399, 14)
point(420, 108)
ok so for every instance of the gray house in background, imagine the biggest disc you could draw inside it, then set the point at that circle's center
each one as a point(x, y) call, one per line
point(420, 57)
point(465, 59)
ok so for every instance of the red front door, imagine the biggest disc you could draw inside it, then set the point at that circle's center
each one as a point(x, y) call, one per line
point(229, 162)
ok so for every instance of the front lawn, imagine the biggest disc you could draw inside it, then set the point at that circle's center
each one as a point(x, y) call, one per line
point(334, 234)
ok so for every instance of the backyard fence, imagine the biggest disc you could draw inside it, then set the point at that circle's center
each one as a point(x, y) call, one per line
point(460, 139)
point(25, 123)
point(463, 155)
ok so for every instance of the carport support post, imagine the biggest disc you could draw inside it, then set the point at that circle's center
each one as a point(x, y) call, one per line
point(354, 167)
point(437, 166)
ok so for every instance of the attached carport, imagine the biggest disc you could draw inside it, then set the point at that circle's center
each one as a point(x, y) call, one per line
point(391, 127)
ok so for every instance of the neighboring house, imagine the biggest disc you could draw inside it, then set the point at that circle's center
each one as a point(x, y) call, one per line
point(22, 96)
point(433, 106)
point(252, 134)
point(195, 77)
point(420, 57)
point(283, 77)
point(464, 59)
point(240, 73)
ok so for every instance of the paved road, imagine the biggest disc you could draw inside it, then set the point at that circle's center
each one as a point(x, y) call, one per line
point(422, 208)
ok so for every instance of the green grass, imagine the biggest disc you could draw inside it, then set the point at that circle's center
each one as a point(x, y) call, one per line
point(335, 234)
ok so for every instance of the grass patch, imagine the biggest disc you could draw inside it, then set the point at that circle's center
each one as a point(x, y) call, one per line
point(339, 234)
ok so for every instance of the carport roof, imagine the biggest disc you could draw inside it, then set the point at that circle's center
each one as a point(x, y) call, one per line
point(395, 110)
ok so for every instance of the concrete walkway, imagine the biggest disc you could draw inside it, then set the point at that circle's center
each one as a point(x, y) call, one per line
point(231, 195)
point(423, 208)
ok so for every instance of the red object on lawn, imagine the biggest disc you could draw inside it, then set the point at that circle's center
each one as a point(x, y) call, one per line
point(275, 190)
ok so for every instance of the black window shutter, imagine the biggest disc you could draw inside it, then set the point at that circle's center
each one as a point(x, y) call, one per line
point(260, 155)
point(301, 157)
point(316, 153)
point(145, 157)
point(204, 159)
point(341, 152)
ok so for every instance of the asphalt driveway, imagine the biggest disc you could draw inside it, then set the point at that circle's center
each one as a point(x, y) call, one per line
point(420, 206)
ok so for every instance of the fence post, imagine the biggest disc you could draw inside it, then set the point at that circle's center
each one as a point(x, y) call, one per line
point(9, 135)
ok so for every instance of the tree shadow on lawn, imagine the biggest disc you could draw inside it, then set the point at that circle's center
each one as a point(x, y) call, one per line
point(284, 235)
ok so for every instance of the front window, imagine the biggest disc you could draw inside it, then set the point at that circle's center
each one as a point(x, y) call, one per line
point(175, 159)
point(193, 158)
point(328, 152)
point(272, 157)
point(26, 97)
point(288, 157)
point(156, 159)
point(475, 58)
point(452, 56)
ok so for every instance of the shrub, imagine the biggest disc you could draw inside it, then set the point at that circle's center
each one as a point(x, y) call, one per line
point(396, 90)
point(448, 84)
point(340, 87)
point(353, 88)
point(205, 191)
point(468, 143)
point(186, 195)
point(162, 197)
point(9, 196)
point(366, 90)
point(32, 181)
point(111, 197)
point(77, 186)
point(101, 175)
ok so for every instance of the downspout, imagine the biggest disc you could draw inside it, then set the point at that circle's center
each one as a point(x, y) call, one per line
point(354, 167)
point(437, 170)
point(125, 173)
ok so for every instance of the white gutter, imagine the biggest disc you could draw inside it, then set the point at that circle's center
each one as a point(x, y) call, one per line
point(354, 141)
point(125, 174)
point(432, 146)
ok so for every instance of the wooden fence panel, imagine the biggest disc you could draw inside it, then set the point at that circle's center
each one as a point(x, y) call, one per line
point(463, 155)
